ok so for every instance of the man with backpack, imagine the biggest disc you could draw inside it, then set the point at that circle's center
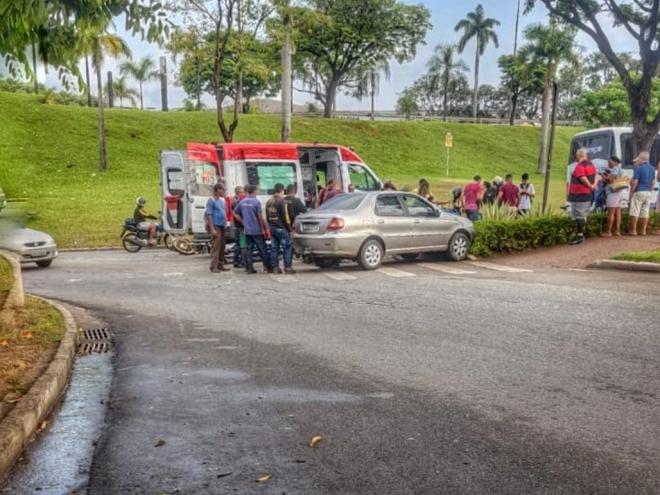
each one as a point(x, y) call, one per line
point(526, 195)
point(279, 223)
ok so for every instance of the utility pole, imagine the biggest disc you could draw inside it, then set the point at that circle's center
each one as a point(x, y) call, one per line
point(34, 68)
point(551, 143)
point(515, 40)
point(88, 80)
point(286, 75)
point(163, 82)
point(111, 92)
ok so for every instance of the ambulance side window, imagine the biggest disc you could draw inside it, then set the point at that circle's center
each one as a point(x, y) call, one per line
point(266, 174)
point(361, 178)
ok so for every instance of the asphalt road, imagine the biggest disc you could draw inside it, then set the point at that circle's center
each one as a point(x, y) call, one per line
point(421, 378)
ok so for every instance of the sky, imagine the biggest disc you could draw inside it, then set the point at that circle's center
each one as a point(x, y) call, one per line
point(445, 14)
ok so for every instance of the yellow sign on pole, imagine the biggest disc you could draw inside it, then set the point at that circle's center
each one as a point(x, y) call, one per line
point(449, 140)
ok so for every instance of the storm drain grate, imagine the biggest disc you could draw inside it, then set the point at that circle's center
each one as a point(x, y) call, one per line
point(95, 341)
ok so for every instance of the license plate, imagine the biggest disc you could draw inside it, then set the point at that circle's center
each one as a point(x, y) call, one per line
point(38, 254)
point(310, 227)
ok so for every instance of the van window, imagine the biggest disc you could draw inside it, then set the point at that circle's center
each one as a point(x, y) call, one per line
point(627, 147)
point(598, 145)
point(266, 174)
point(205, 178)
point(361, 178)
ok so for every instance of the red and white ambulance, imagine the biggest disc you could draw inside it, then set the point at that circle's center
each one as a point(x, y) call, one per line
point(188, 176)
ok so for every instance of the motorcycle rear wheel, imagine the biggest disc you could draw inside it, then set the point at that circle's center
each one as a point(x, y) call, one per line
point(131, 243)
point(184, 245)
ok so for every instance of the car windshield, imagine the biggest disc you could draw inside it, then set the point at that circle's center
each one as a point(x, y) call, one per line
point(343, 202)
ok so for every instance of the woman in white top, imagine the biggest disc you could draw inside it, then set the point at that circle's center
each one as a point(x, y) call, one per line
point(614, 198)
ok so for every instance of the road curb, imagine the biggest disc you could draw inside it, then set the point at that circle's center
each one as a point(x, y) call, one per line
point(635, 266)
point(18, 427)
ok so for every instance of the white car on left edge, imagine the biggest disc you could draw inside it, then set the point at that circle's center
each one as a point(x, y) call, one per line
point(31, 246)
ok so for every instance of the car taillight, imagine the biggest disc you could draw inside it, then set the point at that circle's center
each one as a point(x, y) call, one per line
point(336, 224)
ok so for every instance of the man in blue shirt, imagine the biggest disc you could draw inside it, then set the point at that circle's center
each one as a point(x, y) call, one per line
point(641, 193)
point(215, 215)
point(250, 214)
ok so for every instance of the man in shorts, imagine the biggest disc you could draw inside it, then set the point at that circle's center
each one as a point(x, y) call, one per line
point(580, 192)
point(641, 193)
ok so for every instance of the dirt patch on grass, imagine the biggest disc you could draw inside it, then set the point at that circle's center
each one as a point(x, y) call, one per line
point(26, 349)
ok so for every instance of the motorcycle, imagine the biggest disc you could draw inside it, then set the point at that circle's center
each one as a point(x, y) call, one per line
point(133, 238)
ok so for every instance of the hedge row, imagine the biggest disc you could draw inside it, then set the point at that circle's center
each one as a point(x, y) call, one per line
point(534, 232)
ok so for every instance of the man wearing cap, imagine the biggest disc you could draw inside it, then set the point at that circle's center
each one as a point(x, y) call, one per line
point(641, 187)
point(580, 192)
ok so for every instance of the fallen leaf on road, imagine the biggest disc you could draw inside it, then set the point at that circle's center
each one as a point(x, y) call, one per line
point(315, 441)
point(264, 478)
point(160, 442)
point(222, 475)
point(4, 342)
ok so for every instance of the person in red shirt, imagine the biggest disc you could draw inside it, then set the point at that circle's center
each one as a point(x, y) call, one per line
point(508, 195)
point(473, 194)
point(581, 192)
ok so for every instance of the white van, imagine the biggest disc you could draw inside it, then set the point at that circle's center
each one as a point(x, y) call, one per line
point(605, 142)
point(188, 177)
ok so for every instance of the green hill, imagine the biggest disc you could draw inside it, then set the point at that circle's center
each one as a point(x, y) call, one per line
point(49, 155)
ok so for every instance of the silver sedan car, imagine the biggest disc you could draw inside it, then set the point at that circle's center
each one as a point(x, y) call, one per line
point(367, 226)
point(31, 246)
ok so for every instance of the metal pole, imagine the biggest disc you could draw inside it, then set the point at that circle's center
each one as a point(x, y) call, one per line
point(163, 83)
point(111, 93)
point(285, 58)
point(447, 148)
point(551, 143)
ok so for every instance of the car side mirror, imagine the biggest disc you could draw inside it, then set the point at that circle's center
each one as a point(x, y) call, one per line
point(438, 213)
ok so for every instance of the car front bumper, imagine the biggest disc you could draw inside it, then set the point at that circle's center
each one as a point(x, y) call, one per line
point(33, 255)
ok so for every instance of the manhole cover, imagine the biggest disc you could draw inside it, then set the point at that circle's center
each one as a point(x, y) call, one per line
point(95, 340)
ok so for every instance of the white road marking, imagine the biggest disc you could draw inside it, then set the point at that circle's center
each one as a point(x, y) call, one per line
point(339, 276)
point(174, 274)
point(284, 279)
point(500, 268)
point(203, 340)
point(394, 272)
point(445, 269)
point(74, 280)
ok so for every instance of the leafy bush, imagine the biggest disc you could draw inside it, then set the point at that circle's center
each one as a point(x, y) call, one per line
point(505, 236)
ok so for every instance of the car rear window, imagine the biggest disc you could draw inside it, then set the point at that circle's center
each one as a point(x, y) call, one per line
point(343, 202)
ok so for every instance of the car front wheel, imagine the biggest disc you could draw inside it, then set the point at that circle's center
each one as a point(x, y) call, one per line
point(459, 246)
point(371, 255)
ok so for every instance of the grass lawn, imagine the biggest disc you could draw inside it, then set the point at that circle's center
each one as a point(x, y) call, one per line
point(648, 256)
point(49, 154)
point(27, 348)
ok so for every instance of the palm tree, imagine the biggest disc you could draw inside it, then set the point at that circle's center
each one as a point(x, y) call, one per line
point(369, 82)
point(548, 46)
point(477, 25)
point(121, 90)
point(143, 70)
point(444, 68)
point(98, 44)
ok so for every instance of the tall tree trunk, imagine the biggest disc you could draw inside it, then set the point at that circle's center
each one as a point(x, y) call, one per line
point(372, 83)
point(445, 96)
point(34, 68)
point(285, 56)
point(475, 96)
point(103, 159)
point(514, 107)
point(330, 97)
point(88, 81)
point(515, 39)
point(545, 123)
point(644, 132)
point(141, 102)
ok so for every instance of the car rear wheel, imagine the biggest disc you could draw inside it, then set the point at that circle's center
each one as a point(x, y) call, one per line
point(44, 264)
point(371, 255)
point(459, 247)
point(327, 262)
point(131, 243)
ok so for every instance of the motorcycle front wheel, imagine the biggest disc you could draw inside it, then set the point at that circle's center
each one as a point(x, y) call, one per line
point(168, 239)
point(131, 243)
point(184, 245)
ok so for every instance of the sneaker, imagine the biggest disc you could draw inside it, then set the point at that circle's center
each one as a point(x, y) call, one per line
point(289, 271)
point(577, 240)
point(215, 270)
point(279, 271)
